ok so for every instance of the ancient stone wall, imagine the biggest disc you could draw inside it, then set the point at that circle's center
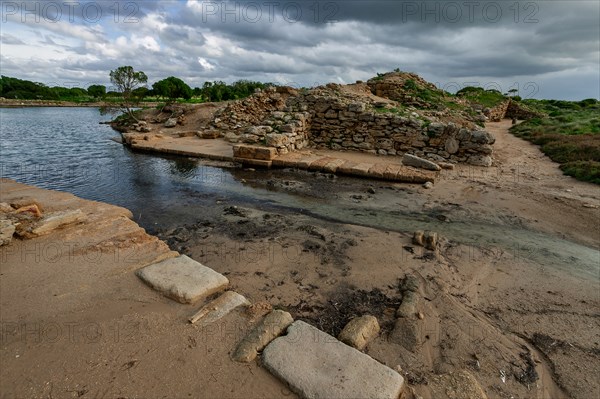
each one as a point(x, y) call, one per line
point(497, 113)
point(330, 119)
point(518, 111)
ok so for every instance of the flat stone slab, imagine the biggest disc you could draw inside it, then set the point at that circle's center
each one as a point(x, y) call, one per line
point(183, 279)
point(218, 308)
point(53, 221)
point(316, 365)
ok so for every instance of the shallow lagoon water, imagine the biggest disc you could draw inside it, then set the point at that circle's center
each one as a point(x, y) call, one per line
point(68, 149)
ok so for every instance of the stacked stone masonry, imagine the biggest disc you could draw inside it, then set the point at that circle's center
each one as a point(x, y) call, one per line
point(327, 118)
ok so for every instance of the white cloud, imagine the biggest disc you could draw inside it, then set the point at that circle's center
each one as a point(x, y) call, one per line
point(181, 39)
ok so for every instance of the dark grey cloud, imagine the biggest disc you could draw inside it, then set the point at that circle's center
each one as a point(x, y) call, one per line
point(306, 42)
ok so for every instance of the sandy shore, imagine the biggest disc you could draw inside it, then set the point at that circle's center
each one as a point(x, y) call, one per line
point(76, 322)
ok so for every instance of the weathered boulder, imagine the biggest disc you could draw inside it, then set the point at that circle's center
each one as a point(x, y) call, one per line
point(7, 229)
point(456, 385)
point(55, 220)
point(408, 307)
point(171, 122)
point(451, 146)
point(6, 208)
point(419, 238)
point(430, 240)
point(480, 160)
point(482, 137)
point(360, 331)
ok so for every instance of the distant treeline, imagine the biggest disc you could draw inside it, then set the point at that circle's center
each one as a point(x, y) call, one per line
point(169, 89)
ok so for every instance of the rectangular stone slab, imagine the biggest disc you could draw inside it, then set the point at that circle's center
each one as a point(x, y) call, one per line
point(183, 279)
point(316, 365)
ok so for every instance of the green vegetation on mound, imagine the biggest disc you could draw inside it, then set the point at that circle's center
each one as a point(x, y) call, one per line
point(478, 95)
point(569, 135)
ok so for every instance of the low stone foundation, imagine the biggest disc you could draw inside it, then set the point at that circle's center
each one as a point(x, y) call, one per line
point(329, 118)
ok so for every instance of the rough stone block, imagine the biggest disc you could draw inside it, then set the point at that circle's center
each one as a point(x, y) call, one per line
point(53, 221)
point(408, 307)
point(333, 166)
point(346, 167)
point(411, 160)
point(378, 171)
point(269, 328)
point(360, 331)
point(254, 152)
point(407, 332)
point(183, 279)
point(316, 365)
point(7, 229)
point(218, 308)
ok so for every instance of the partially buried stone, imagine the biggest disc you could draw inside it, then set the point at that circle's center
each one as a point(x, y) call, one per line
point(269, 328)
point(360, 331)
point(418, 237)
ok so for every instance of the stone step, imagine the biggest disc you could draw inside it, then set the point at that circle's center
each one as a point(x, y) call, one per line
point(218, 308)
point(316, 365)
point(183, 279)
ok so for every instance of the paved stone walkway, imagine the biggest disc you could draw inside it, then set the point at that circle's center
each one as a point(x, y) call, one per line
point(343, 163)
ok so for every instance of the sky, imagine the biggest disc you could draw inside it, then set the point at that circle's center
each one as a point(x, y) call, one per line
point(544, 49)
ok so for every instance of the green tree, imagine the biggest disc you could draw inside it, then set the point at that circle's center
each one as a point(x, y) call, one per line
point(126, 80)
point(97, 91)
point(172, 88)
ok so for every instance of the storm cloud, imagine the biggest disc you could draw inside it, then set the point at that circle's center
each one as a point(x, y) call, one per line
point(548, 49)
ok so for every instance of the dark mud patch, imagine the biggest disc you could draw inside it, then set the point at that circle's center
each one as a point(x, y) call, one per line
point(346, 304)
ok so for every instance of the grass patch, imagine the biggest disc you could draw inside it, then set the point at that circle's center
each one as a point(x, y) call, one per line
point(569, 135)
point(478, 95)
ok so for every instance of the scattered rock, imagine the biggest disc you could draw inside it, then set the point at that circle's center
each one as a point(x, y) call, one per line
point(416, 162)
point(407, 333)
point(316, 365)
point(5, 208)
point(32, 209)
point(451, 145)
point(7, 229)
point(183, 279)
point(171, 122)
point(428, 185)
point(360, 331)
point(431, 240)
point(446, 165)
point(410, 283)
point(457, 385)
point(25, 201)
point(269, 328)
point(419, 238)
point(480, 160)
point(53, 221)
point(408, 308)
point(218, 308)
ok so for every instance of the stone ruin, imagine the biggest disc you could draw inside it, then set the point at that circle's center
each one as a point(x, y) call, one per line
point(374, 117)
